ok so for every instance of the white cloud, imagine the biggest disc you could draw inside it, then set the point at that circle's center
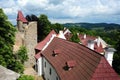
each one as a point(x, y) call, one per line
point(64, 9)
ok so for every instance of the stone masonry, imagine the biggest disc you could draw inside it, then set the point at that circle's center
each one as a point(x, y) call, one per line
point(30, 40)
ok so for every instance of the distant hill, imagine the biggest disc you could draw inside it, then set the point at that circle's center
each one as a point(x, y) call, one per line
point(93, 25)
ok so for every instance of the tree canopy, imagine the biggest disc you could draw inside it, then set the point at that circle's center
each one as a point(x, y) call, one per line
point(7, 35)
point(43, 26)
point(21, 54)
point(26, 77)
point(7, 38)
point(116, 59)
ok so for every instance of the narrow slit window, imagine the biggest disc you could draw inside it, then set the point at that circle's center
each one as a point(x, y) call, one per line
point(50, 71)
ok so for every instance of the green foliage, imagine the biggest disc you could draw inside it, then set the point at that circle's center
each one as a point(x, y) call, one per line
point(116, 58)
point(43, 27)
point(2, 61)
point(26, 77)
point(75, 38)
point(57, 27)
point(22, 54)
point(18, 67)
point(7, 38)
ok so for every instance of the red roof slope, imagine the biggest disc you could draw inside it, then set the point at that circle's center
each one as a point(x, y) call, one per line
point(87, 61)
point(85, 42)
point(104, 71)
point(20, 17)
point(38, 55)
point(41, 44)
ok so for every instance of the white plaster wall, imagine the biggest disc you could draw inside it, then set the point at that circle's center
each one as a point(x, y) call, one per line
point(67, 31)
point(109, 57)
point(91, 46)
point(39, 64)
point(46, 71)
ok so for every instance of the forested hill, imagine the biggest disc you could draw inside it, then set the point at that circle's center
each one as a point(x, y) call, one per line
point(94, 25)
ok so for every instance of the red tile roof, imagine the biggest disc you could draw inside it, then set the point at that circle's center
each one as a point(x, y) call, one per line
point(71, 63)
point(38, 55)
point(85, 41)
point(87, 61)
point(104, 71)
point(97, 48)
point(41, 44)
point(20, 17)
point(68, 36)
point(57, 51)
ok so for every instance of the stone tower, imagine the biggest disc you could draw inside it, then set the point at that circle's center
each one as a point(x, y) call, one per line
point(21, 21)
point(27, 36)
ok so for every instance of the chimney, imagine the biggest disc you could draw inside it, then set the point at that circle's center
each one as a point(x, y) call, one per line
point(61, 35)
point(71, 64)
point(84, 37)
point(109, 52)
point(91, 44)
point(64, 28)
point(98, 41)
point(56, 52)
point(78, 34)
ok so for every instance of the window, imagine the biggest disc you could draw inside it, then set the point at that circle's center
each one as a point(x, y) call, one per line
point(56, 78)
point(45, 64)
point(50, 71)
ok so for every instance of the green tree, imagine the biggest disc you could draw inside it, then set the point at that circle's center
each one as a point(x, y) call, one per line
point(116, 57)
point(26, 77)
point(75, 38)
point(43, 27)
point(18, 67)
point(22, 54)
point(7, 36)
point(57, 27)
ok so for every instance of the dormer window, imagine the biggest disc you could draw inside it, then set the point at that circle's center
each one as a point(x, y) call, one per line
point(56, 52)
point(71, 64)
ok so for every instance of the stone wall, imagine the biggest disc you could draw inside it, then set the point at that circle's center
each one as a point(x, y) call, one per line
point(20, 26)
point(19, 41)
point(30, 39)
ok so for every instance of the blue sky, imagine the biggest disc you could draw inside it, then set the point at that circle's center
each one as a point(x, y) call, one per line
point(65, 11)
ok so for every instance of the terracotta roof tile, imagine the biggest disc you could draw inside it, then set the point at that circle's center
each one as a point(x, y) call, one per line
point(41, 44)
point(97, 48)
point(104, 71)
point(38, 55)
point(21, 17)
point(68, 36)
point(86, 59)
point(84, 41)
point(71, 63)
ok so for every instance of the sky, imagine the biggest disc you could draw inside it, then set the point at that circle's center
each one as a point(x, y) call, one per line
point(65, 11)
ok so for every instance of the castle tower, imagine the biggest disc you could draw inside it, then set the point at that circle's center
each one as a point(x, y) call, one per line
point(27, 37)
point(21, 21)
